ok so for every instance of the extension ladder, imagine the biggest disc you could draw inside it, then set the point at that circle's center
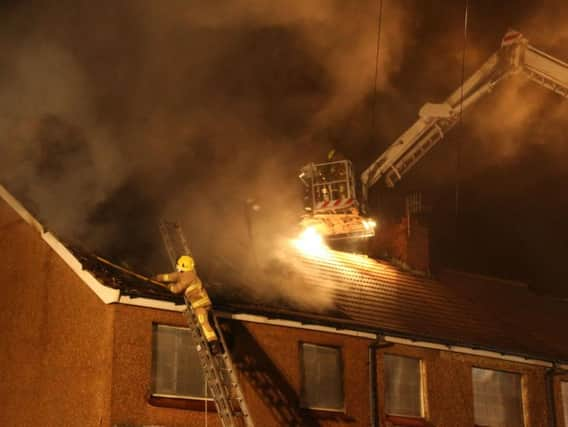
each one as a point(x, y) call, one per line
point(218, 368)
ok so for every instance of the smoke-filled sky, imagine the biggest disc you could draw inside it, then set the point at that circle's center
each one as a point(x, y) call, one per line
point(114, 114)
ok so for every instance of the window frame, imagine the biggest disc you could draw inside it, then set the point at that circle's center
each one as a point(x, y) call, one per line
point(405, 419)
point(303, 403)
point(564, 399)
point(173, 400)
point(522, 391)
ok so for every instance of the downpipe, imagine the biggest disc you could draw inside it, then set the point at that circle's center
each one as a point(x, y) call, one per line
point(373, 395)
point(379, 343)
point(550, 400)
point(550, 396)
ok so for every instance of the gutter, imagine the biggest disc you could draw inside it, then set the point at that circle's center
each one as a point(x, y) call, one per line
point(150, 303)
point(550, 398)
point(471, 351)
point(418, 342)
point(253, 318)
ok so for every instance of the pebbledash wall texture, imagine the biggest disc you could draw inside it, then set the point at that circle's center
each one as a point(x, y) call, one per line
point(70, 359)
point(56, 344)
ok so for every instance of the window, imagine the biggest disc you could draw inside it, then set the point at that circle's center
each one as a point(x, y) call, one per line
point(403, 386)
point(497, 399)
point(176, 371)
point(564, 388)
point(322, 379)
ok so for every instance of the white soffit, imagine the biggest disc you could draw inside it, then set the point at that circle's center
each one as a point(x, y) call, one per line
point(151, 303)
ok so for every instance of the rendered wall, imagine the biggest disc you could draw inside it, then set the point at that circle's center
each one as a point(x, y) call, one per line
point(280, 349)
point(271, 353)
point(448, 385)
point(55, 344)
point(132, 370)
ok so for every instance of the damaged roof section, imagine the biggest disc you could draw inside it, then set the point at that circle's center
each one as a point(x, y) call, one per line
point(374, 296)
point(117, 277)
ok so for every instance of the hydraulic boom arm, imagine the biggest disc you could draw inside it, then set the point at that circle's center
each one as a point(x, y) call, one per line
point(435, 120)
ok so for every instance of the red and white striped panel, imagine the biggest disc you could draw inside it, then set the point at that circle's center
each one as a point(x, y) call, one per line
point(335, 204)
point(511, 37)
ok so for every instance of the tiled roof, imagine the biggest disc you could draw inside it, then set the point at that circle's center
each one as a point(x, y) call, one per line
point(371, 295)
point(458, 309)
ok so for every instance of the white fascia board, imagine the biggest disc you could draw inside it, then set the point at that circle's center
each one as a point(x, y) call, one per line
point(151, 303)
point(467, 350)
point(294, 324)
point(106, 294)
point(395, 340)
point(20, 210)
point(253, 318)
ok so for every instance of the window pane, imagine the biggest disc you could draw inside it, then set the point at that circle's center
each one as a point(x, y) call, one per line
point(497, 399)
point(565, 401)
point(176, 370)
point(323, 383)
point(403, 386)
point(163, 361)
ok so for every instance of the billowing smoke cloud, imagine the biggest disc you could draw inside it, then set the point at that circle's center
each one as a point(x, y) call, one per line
point(518, 112)
point(53, 152)
point(515, 116)
point(512, 149)
point(116, 114)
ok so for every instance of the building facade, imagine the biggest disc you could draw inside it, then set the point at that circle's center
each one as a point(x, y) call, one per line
point(80, 349)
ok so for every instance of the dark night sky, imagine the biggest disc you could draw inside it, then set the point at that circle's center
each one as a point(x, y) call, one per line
point(116, 113)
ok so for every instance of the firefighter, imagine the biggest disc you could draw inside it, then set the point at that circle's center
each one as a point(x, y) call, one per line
point(335, 156)
point(185, 280)
point(337, 172)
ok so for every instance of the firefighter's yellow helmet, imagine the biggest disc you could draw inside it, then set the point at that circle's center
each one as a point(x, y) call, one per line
point(185, 263)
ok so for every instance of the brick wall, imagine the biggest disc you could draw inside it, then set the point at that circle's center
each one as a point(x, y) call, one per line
point(405, 242)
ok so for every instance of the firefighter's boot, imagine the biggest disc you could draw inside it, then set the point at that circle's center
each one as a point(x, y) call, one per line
point(202, 318)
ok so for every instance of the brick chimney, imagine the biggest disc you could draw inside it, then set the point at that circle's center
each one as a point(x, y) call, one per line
point(411, 244)
point(406, 241)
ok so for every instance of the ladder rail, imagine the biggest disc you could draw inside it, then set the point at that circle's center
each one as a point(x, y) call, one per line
point(222, 378)
point(169, 230)
point(234, 382)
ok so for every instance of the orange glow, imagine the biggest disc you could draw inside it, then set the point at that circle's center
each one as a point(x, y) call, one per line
point(370, 225)
point(310, 242)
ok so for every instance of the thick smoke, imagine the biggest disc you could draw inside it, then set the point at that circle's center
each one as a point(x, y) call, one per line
point(116, 114)
point(53, 152)
point(518, 113)
point(512, 147)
